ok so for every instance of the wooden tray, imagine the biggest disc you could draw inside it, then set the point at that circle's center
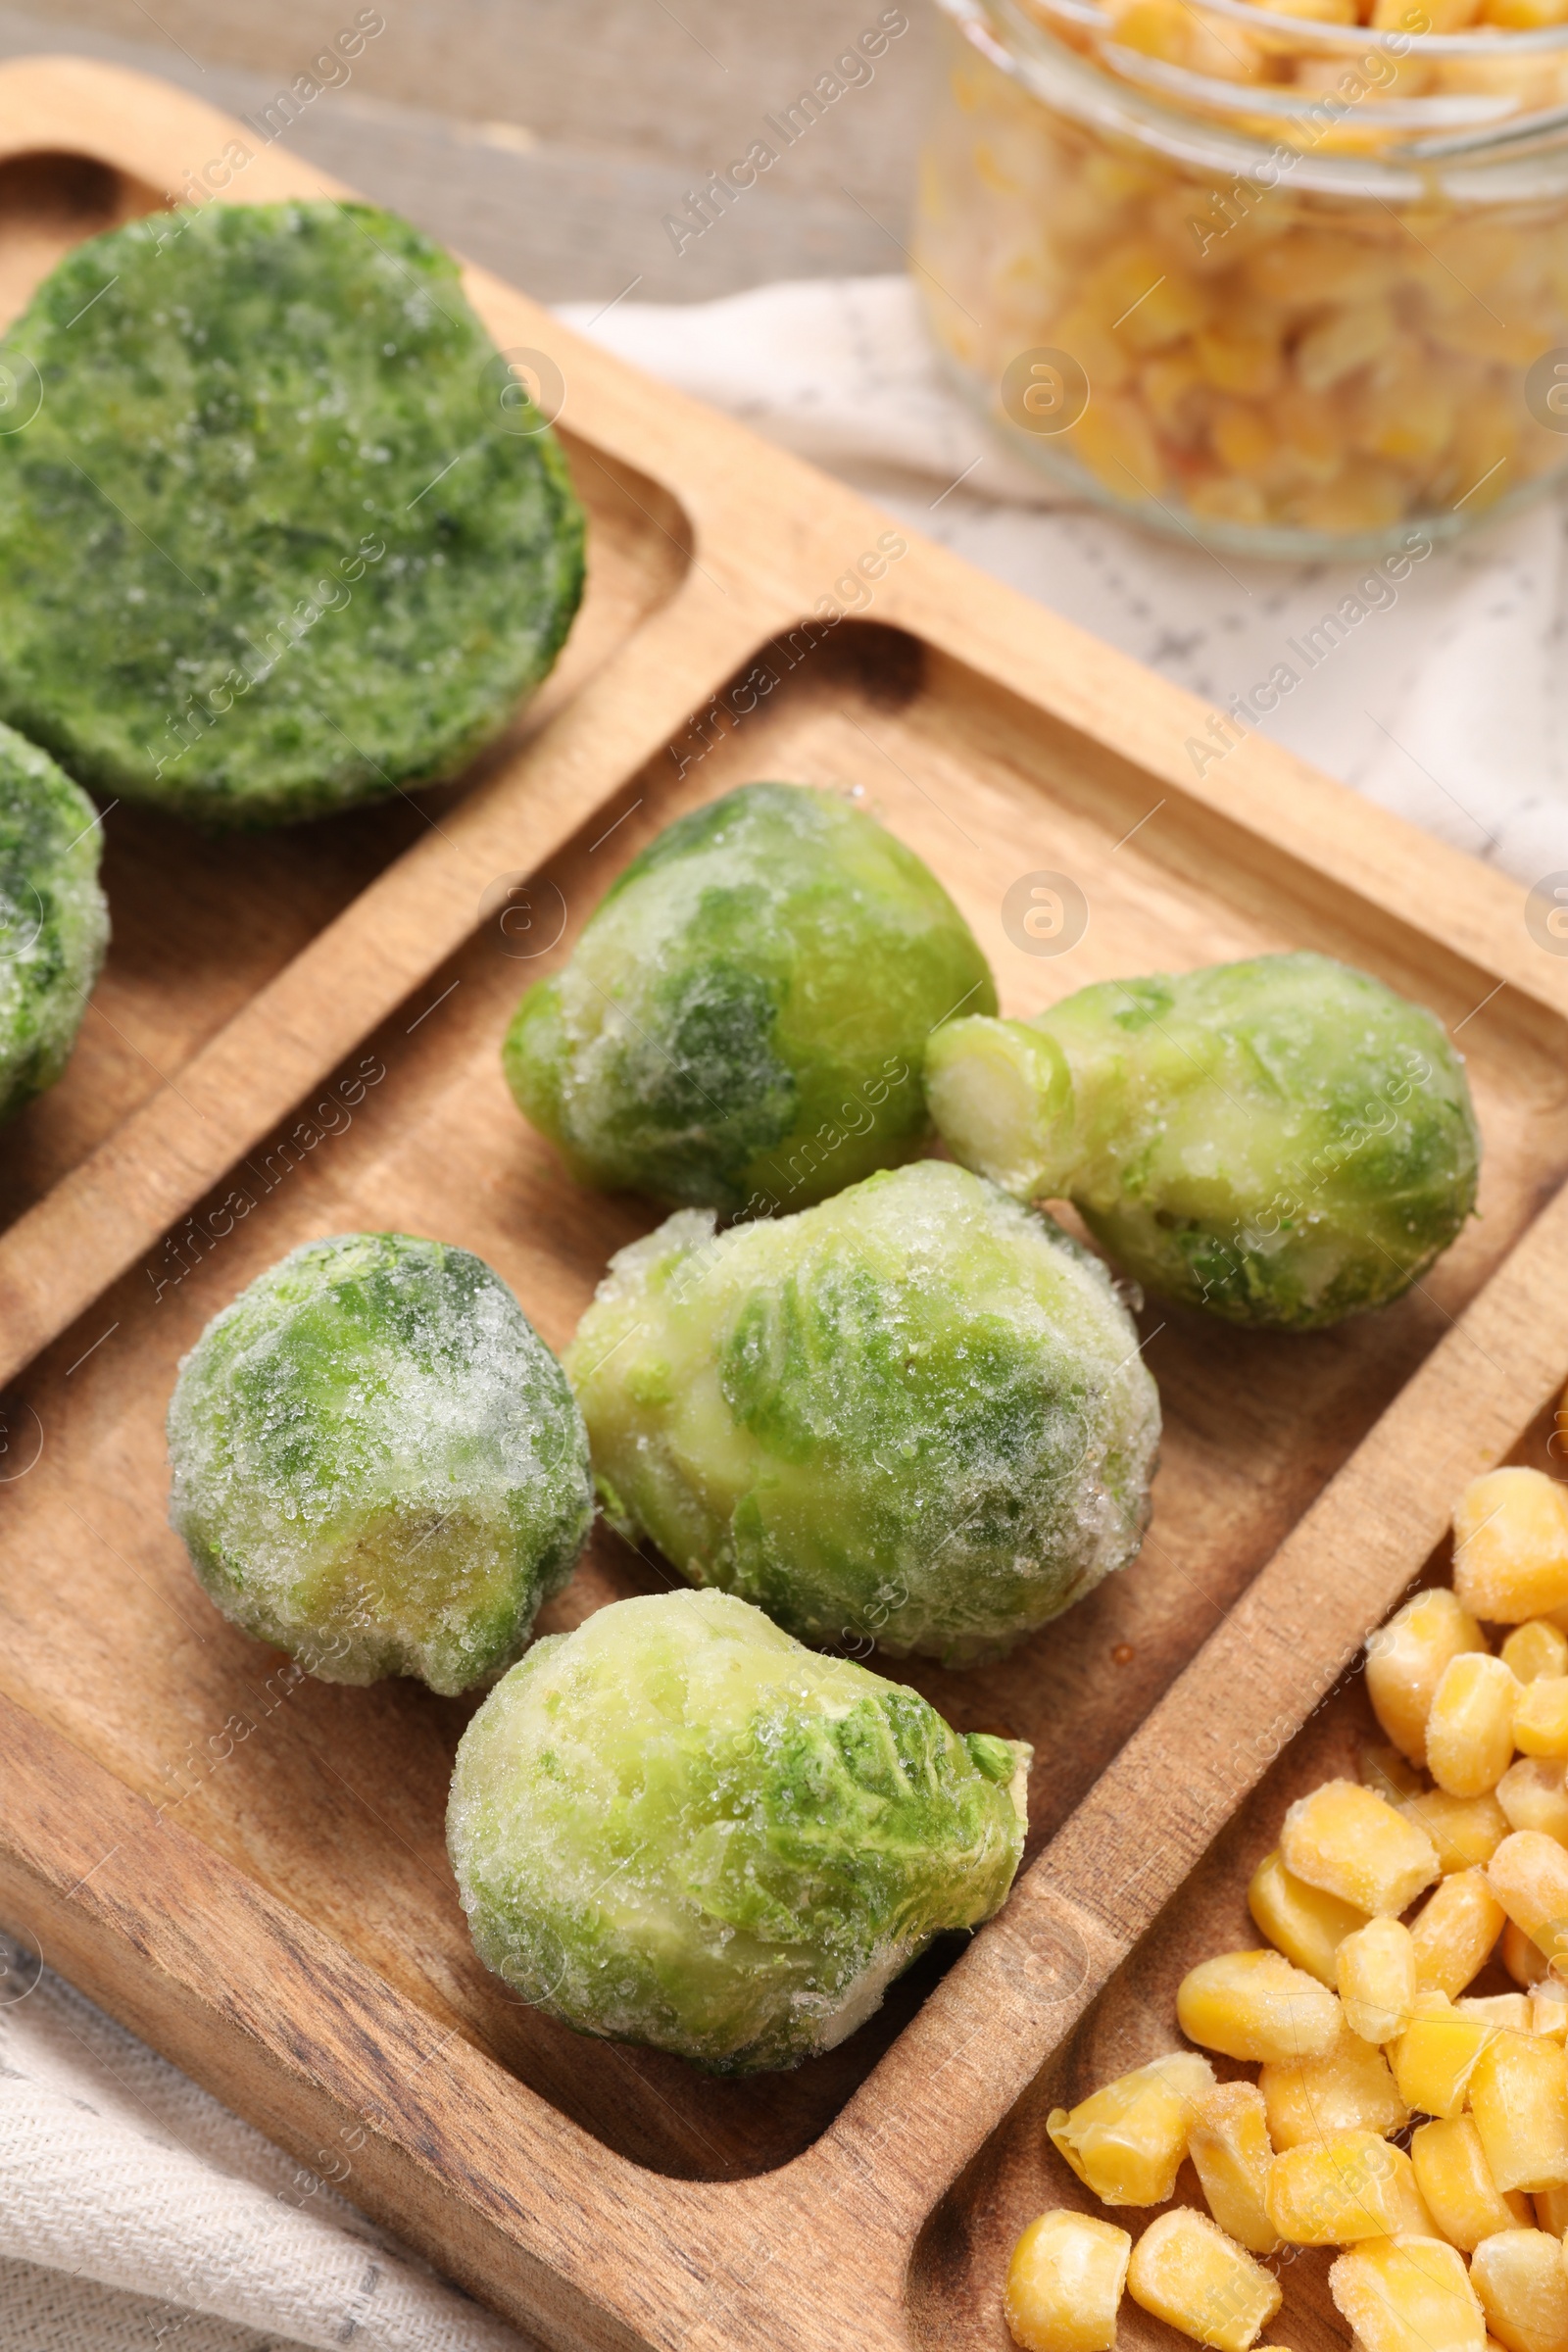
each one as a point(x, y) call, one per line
point(299, 1035)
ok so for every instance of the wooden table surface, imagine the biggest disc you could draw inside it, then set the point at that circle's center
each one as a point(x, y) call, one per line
point(551, 138)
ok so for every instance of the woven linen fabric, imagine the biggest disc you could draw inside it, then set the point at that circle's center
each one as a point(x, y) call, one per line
point(1441, 694)
point(138, 2214)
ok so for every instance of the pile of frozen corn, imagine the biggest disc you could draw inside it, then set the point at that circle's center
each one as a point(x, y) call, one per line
point(1359, 2020)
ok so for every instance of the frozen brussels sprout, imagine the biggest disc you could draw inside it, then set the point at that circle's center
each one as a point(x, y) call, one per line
point(677, 1827)
point(916, 1415)
point(377, 1463)
point(1283, 1142)
point(53, 924)
point(742, 1023)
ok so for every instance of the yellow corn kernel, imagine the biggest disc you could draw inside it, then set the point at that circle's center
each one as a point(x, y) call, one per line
point(1309, 266)
point(1519, 2097)
point(1064, 2283)
point(1139, 296)
point(1302, 1922)
point(1350, 2089)
point(1240, 439)
point(1470, 1729)
point(1437, 2054)
point(1378, 1980)
point(1349, 337)
point(1424, 16)
point(1549, 2008)
point(1227, 498)
point(1410, 2294)
point(1518, 2275)
point(1465, 1829)
point(1532, 1796)
point(1541, 1716)
point(1529, 1875)
point(1256, 2005)
point(1524, 15)
point(1510, 1545)
point(1408, 411)
point(1334, 2192)
point(1166, 384)
point(1239, 358)
point(1390, 1774)
point(1194, 2278)
point(1453, 2176)
point(1536, 1650)
point(1117, 442)
point(1364, 496)
point(1405, 1660)
point(1509, 2012)
point(1126, 2142)
point(1095, 349)
point(1552, 2210)
point(1230, 2149)
point(1310, 431)
point(1346, 1841)
point(1455, 1930)
point(1525, 1962)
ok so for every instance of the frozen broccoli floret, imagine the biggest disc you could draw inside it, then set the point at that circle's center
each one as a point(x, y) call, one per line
point(742, 1021)
point(53, 923)
point(677, 1827)
point(377, 1462)
point(914, 1414)
point(1283, 1142)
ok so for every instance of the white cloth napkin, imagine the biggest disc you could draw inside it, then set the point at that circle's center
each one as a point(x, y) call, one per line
point(1445, 701)
point(134, 2212)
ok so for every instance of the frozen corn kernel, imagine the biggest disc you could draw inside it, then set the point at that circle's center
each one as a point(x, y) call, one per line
point(1465, 1829)
point(1532, 1796)
point(1510, 1546)
point(1193, 2276)
point(1410, 2294)
point(1509, 2012)
point(1470, 1728)
point(1126, 2142)
point(1334, 2192)
point(1536, 1651)
point(1524, 1960)
point(1064, 2283)
point(1256, 2005)
point(1350, 2089)
point(1455, 1930)
point(1437, 2055)
point(1518, 2275)
point(1378, 1979)
point(1349, 1842)
point(1117, 442)
point(1529, 1875)
point(1547, 2004)
point(1540, 1717)
point(1229, 2146)
point(1405, 1661)
point(1519, 2097)
point(1390, 1774)
point(1453, 2176)
point(1552, 2210)
point(1243, 359)
point(1302, 1922)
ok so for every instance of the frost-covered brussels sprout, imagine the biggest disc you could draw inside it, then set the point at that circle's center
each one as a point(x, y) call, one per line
point(53, 924)
point(378, 1464)
point(916, 1415)
point(742, 1023)
point(677, 1827)
point(1283, 1142)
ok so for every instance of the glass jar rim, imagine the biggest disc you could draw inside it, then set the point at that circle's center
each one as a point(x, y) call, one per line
point(1466, 149)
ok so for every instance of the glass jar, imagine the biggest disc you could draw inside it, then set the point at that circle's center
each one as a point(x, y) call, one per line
point(1278, 281)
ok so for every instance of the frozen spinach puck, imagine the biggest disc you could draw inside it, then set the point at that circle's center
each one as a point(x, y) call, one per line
point(53, 924)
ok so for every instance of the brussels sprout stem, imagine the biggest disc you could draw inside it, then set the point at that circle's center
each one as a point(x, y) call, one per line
point(1002, 1094)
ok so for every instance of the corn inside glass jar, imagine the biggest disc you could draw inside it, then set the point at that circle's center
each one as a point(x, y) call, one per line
point(1269, 277)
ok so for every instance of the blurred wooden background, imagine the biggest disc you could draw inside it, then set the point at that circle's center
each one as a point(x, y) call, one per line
point(550, 139)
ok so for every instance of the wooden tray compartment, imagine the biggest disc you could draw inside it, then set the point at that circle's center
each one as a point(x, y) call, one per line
point(961, 2260)
point(247, 1866)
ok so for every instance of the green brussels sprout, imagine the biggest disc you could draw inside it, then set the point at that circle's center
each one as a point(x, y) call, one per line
point(916, 1415)
point(53, 923)
point(377, 1462)
point(742, 1023)
point(1284, 1142)
point(677, 1827)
